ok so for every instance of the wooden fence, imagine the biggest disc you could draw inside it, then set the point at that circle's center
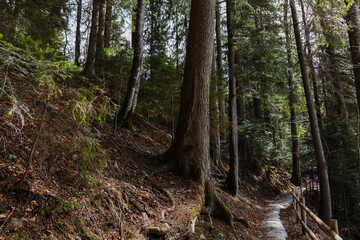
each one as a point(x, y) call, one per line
point(301, 213)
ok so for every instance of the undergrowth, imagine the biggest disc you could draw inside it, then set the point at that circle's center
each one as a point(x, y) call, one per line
point(45, 73)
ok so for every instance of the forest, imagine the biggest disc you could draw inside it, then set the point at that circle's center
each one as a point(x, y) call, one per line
point(187, 119)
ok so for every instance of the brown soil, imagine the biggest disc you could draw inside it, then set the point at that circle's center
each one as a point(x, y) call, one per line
point(134, 194)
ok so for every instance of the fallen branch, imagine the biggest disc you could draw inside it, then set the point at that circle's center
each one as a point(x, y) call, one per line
point(16, 185)
point(191, 231)
point(4, 82)
point(7, 218)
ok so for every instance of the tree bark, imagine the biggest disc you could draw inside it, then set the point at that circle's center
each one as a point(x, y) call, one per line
point(129, 104)
point(89, 69)
point(233, 175)
point(108, 21)
point(78, 33)
point(337, 83)
point(269, 124)
point(257, 108)
point(333, 68)
point(189, 151)
point(296, 173)
point(99, 54)
point(241, 114)
point(214, 117)
point(352, 20)
point(320, 157)
point(311, 64)
point(220, 72)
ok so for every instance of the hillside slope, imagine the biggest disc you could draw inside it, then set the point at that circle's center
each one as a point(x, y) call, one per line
point(62, 178)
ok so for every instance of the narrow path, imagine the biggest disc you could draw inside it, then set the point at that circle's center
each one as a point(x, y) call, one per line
point(272, 224)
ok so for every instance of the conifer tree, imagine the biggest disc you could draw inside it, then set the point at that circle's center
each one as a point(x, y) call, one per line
point(325, 197)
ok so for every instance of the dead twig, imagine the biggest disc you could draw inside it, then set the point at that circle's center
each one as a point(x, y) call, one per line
point(4, 83)
point(88, 211)
point(33, 148)
point(191, 231)
point(7, 218)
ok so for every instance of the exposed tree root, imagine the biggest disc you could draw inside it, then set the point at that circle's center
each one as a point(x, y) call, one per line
point(219, 164)
point(209, 203)
point(214, 205)
point(168, 194)
point(242, 220)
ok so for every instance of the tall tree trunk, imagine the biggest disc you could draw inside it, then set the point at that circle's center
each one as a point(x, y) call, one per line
point(320, 157)
point(220, 73)
point(152, 49)
point(333, 68)
point(352, 19)
point(189, 151)
point(233, 175)
point(89, 69)
point(296, 173)
point(241, 112)
point(269, 125)
point(78, 33)
point(311, 63)
point(337, 84)
point(257, 108)
point(324, 89)
point(129, 103)
point(241, 104)
point(137, 89)
point(108, 21)
point(214, 116)
point(99, 55)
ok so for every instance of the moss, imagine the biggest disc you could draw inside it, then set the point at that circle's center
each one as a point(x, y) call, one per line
point(194, 213)
point(83, 231)
point(65, 227)
point(50, 238)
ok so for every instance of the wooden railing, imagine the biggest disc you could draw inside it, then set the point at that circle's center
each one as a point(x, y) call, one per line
point(313, 184)
point(301, 213)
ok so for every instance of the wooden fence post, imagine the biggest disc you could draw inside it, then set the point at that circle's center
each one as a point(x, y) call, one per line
point(317, 185)
point(303, 214)
point(297, 206)
point(334, 226)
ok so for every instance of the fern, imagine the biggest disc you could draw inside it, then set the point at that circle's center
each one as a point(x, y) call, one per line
point(90, 105)
point(91, 154)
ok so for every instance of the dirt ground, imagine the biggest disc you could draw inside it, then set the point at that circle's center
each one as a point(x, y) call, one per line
point(135, 196)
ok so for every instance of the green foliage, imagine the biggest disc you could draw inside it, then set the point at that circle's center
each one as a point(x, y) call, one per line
point(91, 155)
point(43, 76)
point(42, 20)
point(343, 160)
point(160, 93)
point(36, 48)
point(90, 105)
point(330, 21)
point(117, 66)
point(12, 157)
point(64, 206)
